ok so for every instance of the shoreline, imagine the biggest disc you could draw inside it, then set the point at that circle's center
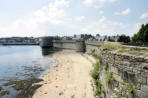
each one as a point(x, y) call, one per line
point(69, 78)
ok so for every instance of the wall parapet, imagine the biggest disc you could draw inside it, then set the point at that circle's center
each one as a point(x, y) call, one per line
point(77, 45)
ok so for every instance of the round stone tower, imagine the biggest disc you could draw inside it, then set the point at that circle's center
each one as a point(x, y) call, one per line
point(46, 42)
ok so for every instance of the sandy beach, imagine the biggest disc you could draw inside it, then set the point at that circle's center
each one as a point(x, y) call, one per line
point(70, 78)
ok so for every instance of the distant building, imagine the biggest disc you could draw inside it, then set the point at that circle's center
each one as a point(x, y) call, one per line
point(84, 37)
point(19, 40)
point(67, 38)
point(78, 37)
point(113, 38)
point(101, 38)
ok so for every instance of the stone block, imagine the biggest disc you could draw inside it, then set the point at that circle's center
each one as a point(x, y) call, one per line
point(140, 94)
point(138, 86)
point(126, 63)
point(141, 79)
point(131, 78)
point(114, 69)
point(144, 88)
point(125, 76)
point(146, 59)
point(118, 78)
point(147, 80)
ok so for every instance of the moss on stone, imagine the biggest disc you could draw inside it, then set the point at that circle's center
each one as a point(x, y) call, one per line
point(95, 72)
point(111, 46)
point(27, 87)
point(125, 91)
point(1, 88)
point(95, 75)
point(3, 93)
point(109, 77)
point(96, 56)
point(28, 92)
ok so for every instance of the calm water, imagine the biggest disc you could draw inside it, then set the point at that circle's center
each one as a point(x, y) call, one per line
point(22, 62)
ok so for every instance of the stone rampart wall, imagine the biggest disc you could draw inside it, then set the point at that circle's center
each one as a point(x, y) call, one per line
point(93, 46)
point(129, 73)
point(126, 69)
point(69, 44)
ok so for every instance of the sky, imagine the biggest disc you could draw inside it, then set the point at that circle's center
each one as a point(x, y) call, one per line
point(69, 17)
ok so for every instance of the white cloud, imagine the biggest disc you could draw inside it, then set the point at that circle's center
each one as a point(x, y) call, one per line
point(54, 18)
point(88, 2)
point(97, 3)
point(144, 16)
point(104, 26)
point(52, 14)
point(80, 18)
point(101, 12)
point(125, 12)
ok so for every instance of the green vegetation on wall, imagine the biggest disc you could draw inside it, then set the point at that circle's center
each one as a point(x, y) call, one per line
point(126, 91)
point(96, 56)
point(95, 72)
point(95, 75)
point(109, 77)
point(111, 46)
point(120, 89)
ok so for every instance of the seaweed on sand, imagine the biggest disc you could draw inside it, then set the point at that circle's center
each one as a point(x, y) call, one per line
point(3, 93)
point(27, 87)
point(1, 88)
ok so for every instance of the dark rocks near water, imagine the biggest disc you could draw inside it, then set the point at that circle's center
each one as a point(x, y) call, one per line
point(28, 93)
point(3, 93)
point(26, 87)
point(1, 88)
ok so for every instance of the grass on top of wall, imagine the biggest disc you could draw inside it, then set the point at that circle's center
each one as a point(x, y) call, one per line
point(114, 46)
point(111, 46)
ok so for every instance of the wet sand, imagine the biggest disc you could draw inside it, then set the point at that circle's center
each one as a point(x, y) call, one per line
point(70, 78)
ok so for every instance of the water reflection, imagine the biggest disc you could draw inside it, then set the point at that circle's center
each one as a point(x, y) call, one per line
point(47, 51)
point(21, 63)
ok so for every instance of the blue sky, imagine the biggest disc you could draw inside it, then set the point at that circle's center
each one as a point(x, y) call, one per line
point(68, 17)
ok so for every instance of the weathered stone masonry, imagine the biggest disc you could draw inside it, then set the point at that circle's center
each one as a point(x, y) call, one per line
point(126, 69)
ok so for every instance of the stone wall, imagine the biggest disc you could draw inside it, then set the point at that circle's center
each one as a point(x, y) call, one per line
point(126, 69)
point(69, 44)
point(120, 74)
point(93, 46)
point(129, 72)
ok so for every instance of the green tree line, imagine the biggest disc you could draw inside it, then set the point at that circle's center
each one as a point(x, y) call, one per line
point(141, 37)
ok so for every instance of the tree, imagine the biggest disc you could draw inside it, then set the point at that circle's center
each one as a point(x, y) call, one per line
point(146, 35)
point(142, 35)
point(124, 38)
